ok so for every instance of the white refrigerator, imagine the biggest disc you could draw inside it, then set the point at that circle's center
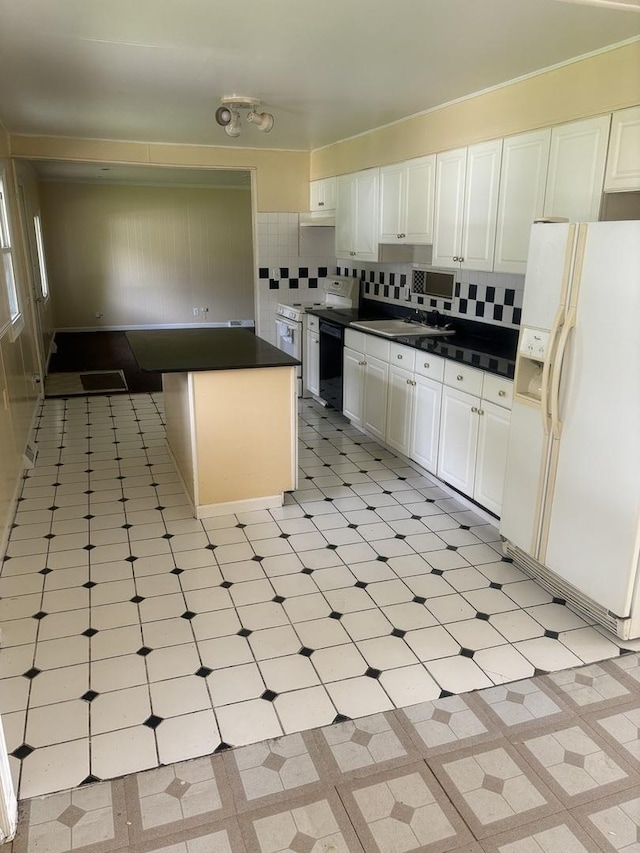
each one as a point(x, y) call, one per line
point(571, 509)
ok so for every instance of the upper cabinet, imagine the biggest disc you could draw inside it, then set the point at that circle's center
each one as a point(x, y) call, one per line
point(357, 205)
point(576, 169)
point(466, 202)
point(623, 162)
point(322, 195)
point(523, 177)
point(406, 201)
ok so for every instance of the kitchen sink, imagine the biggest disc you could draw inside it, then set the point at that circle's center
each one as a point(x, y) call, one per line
point(400, 328)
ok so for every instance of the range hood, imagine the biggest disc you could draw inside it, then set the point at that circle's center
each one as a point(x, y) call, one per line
point(318, 219)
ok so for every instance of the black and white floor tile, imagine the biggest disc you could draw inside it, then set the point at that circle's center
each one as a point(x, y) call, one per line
point(135, 636)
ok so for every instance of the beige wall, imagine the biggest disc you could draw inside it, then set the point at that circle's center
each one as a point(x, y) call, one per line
point(18, 393)
point(592, 86)
point(282, 177)
point(143, 255)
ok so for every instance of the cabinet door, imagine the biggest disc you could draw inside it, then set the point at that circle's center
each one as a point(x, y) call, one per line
point(345, 215)
point(419, 200)
point(316, 195)
point(366, 218)
point(352, 385)
point(458, 439)
point(449, 204)
point(491, 462)
point(523, 177)
point(400, 408)
point(376, 379)
point(392, 203)
point(576, 169)
point(481, 205)
point(312, 363)
point(425, 426)
point(623, 161)
point(322, 194)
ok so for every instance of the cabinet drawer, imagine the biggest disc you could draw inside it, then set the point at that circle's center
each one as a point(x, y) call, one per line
point(429, 365)
point(313, 323)
point(401, 356)
point(376, 347)
point(464, 378)
point(497, 390)
point(354, 340)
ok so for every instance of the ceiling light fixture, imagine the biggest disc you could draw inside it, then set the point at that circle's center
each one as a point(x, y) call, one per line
point(228, 115)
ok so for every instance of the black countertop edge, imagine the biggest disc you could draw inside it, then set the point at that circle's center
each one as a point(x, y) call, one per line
point(470, 345)
point(193, 350)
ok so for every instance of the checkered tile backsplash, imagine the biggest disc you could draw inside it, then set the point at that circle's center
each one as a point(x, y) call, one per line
point(486, 297)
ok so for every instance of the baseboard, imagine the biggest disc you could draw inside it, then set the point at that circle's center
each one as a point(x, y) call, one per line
point(243, 324)
point(247, 505)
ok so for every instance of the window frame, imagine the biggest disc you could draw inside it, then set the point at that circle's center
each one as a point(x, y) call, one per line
point(42, 263)
point(15, 323)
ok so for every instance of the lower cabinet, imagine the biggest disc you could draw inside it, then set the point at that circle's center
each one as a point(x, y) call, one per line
point(491, 459)
point(312, 363)
point(458, 439)
point(353, 385)
point(473, 447)
point(459, 435)
point(376, 380)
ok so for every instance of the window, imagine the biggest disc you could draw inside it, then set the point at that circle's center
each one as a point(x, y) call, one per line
point(44, 283)
point(7, 257)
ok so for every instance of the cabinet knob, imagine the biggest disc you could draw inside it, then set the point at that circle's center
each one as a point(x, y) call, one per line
point(502, 393)
point(408, 382)
point(411, 382)
point(474, 409)
point(402, 236)
point(399, 355)
point(426, 364)
point(481, 411)
point(362, 363)
point(459, 377)
point(398, 236)
point(461, 260)
point(352, 254)
point(316, 342)
point(455, 259)
point(320, 204)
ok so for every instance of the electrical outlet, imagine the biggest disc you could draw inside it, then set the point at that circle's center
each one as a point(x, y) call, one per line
point(196, 312)
point(99, 314)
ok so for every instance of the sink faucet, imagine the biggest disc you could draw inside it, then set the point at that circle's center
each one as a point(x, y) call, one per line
point(418, 317)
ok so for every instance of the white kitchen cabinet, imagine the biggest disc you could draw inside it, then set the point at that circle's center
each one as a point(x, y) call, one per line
point(523, 176)
point(353, 386)
point(466, 204)
point(491, 457)
point(623, 161)
point(322, 195)
point(425, 426)
point(406, 201)
point(357, 206)
point(576, 169)
point(312, 363)
point(458, 439)
point(400, 404)
point(376, 381)
point(449, 207)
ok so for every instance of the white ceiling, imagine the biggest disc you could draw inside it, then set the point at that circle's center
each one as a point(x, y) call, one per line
point(155, 70)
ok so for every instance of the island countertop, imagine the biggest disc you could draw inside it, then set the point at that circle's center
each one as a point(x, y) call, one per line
point(187, 350)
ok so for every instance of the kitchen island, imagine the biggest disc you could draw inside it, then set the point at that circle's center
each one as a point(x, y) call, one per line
point(231, 414)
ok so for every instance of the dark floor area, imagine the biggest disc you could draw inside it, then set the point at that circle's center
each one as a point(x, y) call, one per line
point(79, 351)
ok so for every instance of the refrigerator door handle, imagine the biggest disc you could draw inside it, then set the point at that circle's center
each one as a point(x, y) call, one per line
point(547, 369)
point(556, 423)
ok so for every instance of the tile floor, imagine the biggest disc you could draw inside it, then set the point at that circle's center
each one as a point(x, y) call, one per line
point(549, 764)
point(135, 636)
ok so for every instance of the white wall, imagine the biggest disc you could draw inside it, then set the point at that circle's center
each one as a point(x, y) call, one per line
point(144, 255)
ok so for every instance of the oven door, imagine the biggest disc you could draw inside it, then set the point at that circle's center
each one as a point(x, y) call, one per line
point(289, 337)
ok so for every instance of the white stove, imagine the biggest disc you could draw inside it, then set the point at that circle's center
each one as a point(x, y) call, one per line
point(336, 292)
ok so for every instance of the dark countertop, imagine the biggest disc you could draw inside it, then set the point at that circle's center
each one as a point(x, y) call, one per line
point(476, 344)
point(185, 350)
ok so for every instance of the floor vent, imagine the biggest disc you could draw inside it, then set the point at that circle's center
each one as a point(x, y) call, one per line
point(556, 586)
